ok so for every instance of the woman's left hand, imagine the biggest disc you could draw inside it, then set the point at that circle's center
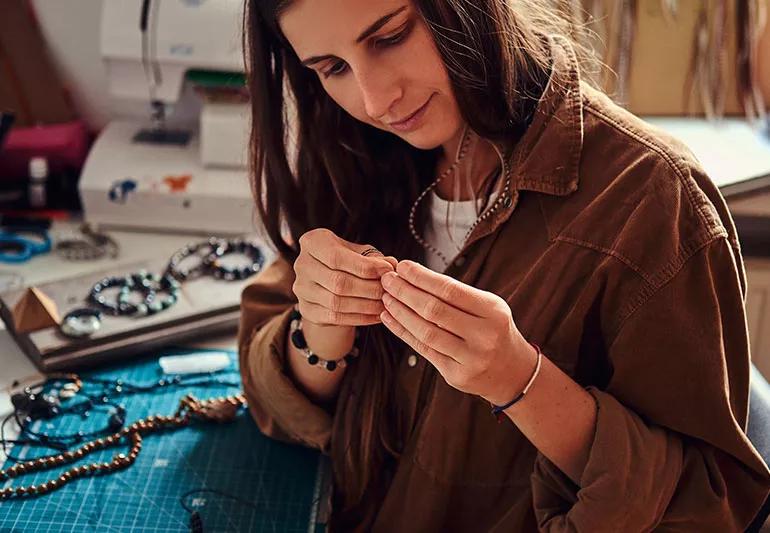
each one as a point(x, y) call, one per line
point(466, 333)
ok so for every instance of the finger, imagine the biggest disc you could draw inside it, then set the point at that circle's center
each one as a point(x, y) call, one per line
point(342, 257)
point(434, 310)
point(339, 282)
point(318, 294)
point(444, 364)
point(426, 333)
point(464, 297)
point(392, 260)
point(322, 316)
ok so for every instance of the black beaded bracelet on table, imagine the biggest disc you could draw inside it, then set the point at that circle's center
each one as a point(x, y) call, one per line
point(299, 342)
point(162, 284)
point(149, 285)
point(235, 246)
point(121, 306)
point(203, 250)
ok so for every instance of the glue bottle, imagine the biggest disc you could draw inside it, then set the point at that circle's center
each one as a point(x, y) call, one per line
point(38, 178)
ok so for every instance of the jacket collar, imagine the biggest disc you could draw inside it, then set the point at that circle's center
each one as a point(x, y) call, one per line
point(547, 156)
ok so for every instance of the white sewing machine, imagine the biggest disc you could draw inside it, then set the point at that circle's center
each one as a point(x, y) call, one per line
point(182, 165)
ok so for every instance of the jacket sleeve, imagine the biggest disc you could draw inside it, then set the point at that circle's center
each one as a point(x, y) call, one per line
point(278, 406)
point(669, 451)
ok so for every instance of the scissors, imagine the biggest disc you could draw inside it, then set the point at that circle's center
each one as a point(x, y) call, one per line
point(16, 248)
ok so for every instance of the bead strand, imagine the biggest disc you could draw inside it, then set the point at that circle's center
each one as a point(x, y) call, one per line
point(222, 409)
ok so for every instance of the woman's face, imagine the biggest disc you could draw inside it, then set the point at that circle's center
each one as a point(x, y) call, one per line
point(378, 61)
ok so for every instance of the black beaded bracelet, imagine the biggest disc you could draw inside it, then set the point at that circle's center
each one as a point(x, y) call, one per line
point(235, 246)
point(205, 251)
point(299, 342)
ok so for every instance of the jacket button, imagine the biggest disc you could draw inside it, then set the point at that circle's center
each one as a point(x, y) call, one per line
point(507, 202)
point(412, 360)
point(460, 261)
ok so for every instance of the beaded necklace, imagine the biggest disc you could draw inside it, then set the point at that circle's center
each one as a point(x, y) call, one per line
point(462, 152)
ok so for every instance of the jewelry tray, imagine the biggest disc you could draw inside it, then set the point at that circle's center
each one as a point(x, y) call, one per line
point(206, 307)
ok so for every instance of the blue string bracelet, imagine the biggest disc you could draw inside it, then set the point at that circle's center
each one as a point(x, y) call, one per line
point(498, 410)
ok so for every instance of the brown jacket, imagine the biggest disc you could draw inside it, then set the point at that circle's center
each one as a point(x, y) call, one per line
point(618, 257)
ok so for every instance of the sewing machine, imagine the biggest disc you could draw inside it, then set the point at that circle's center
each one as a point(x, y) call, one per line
point(181, 166)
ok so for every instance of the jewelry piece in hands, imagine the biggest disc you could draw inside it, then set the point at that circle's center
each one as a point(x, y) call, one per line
point(370, 251)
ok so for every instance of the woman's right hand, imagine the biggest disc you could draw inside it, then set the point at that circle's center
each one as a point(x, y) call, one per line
point(335, 284)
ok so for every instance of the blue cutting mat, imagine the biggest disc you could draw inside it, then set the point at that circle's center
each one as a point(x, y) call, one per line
point(282, 481)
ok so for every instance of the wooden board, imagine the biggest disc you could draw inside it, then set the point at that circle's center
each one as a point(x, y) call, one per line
point(206, 307)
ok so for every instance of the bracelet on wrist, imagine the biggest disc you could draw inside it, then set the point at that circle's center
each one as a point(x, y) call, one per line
point(497, 410)
point(299, 342)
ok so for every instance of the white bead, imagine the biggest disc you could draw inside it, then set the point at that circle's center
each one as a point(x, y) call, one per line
point(412, 360)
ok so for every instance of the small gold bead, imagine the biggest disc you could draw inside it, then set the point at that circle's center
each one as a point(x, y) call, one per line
point(82, 470)
point(53, 484)
point(42, 488)
point(21, 491)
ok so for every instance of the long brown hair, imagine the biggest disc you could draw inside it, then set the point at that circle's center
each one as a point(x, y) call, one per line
point(360, 182)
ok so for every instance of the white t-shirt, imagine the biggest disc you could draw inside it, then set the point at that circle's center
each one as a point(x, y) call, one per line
point(462, 215)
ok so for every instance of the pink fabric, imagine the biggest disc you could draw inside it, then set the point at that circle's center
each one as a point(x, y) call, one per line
point(65, 146)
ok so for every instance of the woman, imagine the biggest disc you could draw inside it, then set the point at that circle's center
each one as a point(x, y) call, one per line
point(587, 261)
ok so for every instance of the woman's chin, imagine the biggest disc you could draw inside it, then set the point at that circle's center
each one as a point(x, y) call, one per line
point(423, 138)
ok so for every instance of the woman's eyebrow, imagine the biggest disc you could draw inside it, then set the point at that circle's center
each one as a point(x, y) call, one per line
point(379, 23)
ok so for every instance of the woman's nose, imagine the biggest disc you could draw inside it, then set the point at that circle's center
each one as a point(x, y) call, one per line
point(379, 91)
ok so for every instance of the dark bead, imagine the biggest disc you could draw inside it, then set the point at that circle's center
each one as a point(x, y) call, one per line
point(294, 315)
point(331, 365)
point(313, 359)
point(298, 339)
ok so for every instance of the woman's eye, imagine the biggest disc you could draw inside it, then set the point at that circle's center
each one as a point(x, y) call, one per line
point(336, 69)
point(390, 41)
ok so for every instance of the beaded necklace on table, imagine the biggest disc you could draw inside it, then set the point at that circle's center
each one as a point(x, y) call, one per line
point(462, 152)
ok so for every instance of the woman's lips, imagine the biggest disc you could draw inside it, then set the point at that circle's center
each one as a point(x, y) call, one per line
point(412, 121)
